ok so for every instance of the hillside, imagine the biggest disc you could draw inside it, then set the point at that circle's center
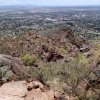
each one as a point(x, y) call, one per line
point(65, 65)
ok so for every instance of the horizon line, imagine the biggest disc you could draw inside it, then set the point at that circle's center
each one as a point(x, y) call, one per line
point(51, 5)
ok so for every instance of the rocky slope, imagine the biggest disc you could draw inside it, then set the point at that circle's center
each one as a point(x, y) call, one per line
point(60, 66)
point(33, 43)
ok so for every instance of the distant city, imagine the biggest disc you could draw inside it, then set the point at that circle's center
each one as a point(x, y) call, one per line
point(85, 20)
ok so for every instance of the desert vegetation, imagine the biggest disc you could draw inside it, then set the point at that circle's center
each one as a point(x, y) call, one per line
point(62, 62)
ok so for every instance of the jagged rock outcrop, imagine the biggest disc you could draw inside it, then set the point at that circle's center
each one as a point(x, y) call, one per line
point(69, 34)
point(12, 68)
point(50, 54)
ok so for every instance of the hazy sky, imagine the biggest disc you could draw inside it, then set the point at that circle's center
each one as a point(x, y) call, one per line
point(50, 2)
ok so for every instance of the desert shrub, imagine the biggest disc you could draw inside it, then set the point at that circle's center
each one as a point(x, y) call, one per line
point(47, 71)
point(55, 74)
point(62, 50)
point(29, 59)
point(77, 68)
point(4, 75)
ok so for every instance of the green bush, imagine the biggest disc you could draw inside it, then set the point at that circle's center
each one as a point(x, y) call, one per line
point(29, 59)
